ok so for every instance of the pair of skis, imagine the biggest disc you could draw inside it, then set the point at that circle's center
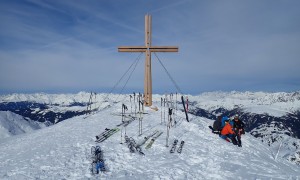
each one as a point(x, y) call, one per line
point(109, 132)
point(106, 134)
point(132, 145)
point(174, 145)
point(141, 143)
point(97, 160)
point(149, 145)
point(126, 123)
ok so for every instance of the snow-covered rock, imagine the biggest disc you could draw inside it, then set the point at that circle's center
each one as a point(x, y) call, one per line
point(14, 124)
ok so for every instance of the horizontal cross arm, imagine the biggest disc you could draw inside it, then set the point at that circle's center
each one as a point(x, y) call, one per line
point(132, 48)
point(163, 49)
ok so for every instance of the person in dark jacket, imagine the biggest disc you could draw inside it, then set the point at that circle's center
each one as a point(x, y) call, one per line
point(238, 128)
point(238, 125)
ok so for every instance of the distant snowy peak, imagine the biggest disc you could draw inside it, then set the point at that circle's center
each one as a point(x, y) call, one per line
point(275, 104)
point(47, 98)
point(14, 124)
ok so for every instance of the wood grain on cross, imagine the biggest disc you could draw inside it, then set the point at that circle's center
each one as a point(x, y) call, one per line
point(148, 49)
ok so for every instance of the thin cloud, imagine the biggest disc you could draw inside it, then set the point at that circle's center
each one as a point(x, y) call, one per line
point(222, 45)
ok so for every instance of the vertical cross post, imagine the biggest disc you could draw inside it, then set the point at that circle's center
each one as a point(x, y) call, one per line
point(148, 48)
point(148, 75)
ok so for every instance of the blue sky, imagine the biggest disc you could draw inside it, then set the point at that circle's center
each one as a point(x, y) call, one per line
point(69, 46)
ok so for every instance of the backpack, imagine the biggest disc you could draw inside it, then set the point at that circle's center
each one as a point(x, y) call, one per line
point(217, 125)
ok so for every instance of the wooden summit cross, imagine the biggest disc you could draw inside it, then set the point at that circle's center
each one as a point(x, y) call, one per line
point(148, 49)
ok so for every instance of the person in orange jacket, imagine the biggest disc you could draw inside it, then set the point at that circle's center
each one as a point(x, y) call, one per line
point(228, 134)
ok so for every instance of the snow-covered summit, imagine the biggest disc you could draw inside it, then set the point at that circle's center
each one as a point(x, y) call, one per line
point(62, 151)
point(268, 116)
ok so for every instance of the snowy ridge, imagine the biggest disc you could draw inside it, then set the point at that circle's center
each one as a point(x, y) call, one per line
point(61, 99)
point(275, 104)
point(65, 153)
point(14, 124)
point(208, 100)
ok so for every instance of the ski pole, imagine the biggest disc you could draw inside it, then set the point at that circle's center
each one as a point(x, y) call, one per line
point(168, 128)
point(130, 104)
point(125, 109)
point(95, 99)
point(134, 104)
point(172, 106)
point(168, 107)
point(161, 103)
point(170, 116)
point(175, 110)
point(139, 100)
point(122, 114)
point(165, 111)
point(171, 99)
point(143, 102)
point(187, 104)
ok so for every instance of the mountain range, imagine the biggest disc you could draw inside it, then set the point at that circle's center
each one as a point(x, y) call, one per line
point(273, 118)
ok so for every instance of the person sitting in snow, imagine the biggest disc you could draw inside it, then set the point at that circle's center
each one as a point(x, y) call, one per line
point(227, 133)
point(238, 128)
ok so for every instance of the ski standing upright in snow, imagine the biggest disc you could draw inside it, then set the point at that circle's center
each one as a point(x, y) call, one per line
point(185, 109)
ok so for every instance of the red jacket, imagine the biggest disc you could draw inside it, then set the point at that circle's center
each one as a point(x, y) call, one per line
point(227, 130)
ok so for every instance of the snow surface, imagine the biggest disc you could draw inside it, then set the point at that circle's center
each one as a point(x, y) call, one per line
point(62, 151)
